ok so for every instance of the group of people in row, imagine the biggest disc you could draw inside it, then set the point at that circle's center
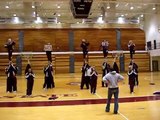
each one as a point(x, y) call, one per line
point(11, 72)
point(90, 75)
point(105, 45)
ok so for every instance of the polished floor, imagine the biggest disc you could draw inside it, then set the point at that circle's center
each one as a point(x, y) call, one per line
point(67, 102)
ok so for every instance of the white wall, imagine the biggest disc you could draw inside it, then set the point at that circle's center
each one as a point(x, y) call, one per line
point(158, 59)
point(151, 25)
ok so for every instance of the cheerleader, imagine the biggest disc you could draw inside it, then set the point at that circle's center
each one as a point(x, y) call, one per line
point(11, 72)
point(131, 76)
point(10, 47)
point(30, 81)
point(93, 81)
point(49, 80)
point(84, 46)
point(131, 47)
point(105, 70)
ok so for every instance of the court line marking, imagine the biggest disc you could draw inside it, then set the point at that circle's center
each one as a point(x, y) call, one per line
point(123, 116)
point(98, 95)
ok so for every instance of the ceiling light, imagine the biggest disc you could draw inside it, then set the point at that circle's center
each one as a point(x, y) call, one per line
point(59, 15)
point(58, 6)
point(33, 6)
point(108, 7)
point(15, 20)
point(38, 20)
point(6, 6)
point(126, 4)
point(142, 15)
point(131, 7)
point(117, 4)
point(100, 20)
point(153, 8)
point(14, 15)
point(121, 20)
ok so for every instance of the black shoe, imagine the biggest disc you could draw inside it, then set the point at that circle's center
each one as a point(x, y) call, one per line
point(115, 112)
point(107, 110)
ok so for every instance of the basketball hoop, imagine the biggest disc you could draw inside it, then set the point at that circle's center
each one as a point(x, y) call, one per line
point(117, 53)
point(27, 56)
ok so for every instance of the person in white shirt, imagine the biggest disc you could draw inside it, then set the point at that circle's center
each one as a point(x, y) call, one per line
point(112, 79)
point(48, 49)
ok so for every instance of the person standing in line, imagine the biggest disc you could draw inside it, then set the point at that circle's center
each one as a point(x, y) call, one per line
point(30, 81)
point(11, 72)
point(112, 78)
point(48, 49)
point(84, 46)
point(131, 78)
point(83, 80)
point(49, 80)
point(104, 46)
point(105, 70)
point(135, 68)
point(93, 82)
point(131, 47)
point(10, 47)
point(115, 66)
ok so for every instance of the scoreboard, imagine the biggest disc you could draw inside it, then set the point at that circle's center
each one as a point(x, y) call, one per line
point(80, 8)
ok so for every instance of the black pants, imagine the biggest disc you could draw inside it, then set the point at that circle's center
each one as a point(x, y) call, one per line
point(11, 84)
point(85, 54)
point(10, 54)
point(30, 83)
point(131, 53)
point(105, 53)
point(48, 82)
point(136, 80)
point(49, 55)
point(93, 84)
point(85, 80)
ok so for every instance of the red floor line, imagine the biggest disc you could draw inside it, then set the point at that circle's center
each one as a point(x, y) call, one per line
point(75, 102)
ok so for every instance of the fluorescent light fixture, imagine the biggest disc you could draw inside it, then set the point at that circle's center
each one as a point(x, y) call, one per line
point(121, 20)
point(15, 20)
point(39, 20)
point(100, 20)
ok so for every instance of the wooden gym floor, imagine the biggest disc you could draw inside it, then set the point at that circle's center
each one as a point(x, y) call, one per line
point(67, 102)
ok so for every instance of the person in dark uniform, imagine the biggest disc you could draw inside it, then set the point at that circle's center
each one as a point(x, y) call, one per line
point(48, 49)
point(131, 47)
point(84, 46)
point(131, 76)
point(105, 70)
point(83, 78)
point(10, 47)
point(104, 46)
point(30, 81)
point(27, 67)
point(135, 68)
point(93, 81)
point(115, 66)
point(49, 80)
point(11, 72)
point(112, 78)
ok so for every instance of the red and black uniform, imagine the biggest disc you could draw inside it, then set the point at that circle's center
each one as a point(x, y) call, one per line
point(104, 46)
point(84, 46)
point(105, 69)
point(131, 49)
point(11, 72)
point(115, 67)
point(93, 81)
point(49, 80)
point(10, 48)
point(83, 78)
point(135, 68)
point(30, 81)
point(132, 76)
